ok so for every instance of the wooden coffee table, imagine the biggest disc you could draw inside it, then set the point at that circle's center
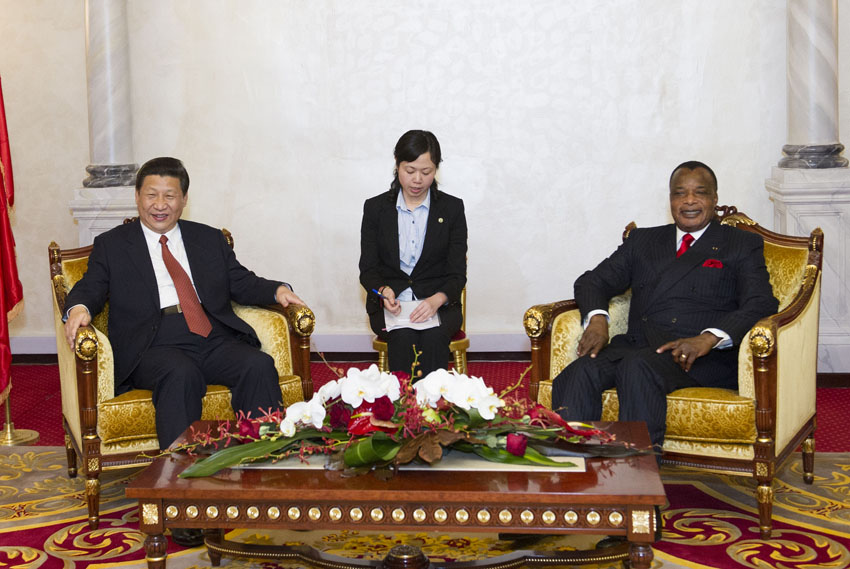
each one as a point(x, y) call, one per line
point(613, 497)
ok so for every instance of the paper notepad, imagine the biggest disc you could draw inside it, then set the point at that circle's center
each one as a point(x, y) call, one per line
point(394, 322)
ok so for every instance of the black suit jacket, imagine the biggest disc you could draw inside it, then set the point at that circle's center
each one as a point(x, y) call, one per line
point(680, 297)
point(120, 271)
point(442, 265)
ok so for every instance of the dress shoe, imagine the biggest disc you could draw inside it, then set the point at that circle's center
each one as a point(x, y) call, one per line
point(187, 537)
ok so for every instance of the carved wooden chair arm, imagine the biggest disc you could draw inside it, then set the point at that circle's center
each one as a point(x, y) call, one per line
point(301, 320)
point(538, 319)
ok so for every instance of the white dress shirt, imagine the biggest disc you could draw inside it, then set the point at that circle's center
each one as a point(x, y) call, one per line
point(167, 291)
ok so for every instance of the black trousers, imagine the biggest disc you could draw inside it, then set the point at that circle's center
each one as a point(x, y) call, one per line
point(643, 379)
point(179, 365)
point(433, 343)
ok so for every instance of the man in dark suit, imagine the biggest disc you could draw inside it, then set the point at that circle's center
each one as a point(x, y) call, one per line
point(697, 288)
point(150, 328)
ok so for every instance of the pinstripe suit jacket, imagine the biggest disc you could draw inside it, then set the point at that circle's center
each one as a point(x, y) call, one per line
point(680, 297)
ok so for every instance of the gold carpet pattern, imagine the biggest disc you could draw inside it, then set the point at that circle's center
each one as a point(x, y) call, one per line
point(711, 523)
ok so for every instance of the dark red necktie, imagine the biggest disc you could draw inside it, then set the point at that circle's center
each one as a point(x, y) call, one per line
point(189, 304)
point(687, 239)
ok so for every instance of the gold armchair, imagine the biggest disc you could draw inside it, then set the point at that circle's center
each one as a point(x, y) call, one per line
point(109, 432)
point(750, 431)
point(458, 345)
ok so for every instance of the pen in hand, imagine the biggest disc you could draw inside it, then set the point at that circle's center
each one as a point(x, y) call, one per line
point(393, 304)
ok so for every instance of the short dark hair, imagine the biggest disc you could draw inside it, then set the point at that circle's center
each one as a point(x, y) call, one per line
point(412, 145)
point(163, 166)
point(693, 165)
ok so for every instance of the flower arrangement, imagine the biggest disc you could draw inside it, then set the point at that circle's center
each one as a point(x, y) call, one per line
point(370, 419)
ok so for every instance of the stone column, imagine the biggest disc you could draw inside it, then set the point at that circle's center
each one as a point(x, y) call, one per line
point(106, 197)
point(812, 86)
point(811, 186)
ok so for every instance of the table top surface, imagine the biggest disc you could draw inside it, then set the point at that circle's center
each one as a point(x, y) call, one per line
point(607, 480)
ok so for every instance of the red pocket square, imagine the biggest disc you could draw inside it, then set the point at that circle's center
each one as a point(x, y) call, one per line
point(713, 263)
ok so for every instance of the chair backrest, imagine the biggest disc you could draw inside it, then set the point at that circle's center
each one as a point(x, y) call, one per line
point(788, 258)
point(67, 266)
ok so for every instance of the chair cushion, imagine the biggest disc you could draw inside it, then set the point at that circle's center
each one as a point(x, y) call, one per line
point(459, 335)
point(130, 417)
point(701, 414)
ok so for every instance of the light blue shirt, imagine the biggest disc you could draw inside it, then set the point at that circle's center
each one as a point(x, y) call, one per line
point(411, 236)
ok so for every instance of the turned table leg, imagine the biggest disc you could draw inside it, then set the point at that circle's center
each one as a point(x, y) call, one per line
point(155, 551)
point(640, 555)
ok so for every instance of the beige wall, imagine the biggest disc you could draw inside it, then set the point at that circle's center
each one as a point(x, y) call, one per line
point(559, 123)
point(43, 66)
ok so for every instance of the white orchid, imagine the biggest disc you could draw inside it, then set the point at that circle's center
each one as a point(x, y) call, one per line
point(287, 427)
point(458, 389)
point(328, 391)
point(367, 385)
point(431, 388)
point(488, 406)
point(307, 412)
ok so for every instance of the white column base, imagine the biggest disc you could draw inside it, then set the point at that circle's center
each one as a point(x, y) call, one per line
point(803, 200)
point(100, 209)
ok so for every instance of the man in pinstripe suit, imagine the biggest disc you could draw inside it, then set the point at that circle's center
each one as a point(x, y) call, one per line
point(692, 304)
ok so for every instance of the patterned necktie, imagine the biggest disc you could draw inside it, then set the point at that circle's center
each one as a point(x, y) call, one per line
point(687, 239)
point(190, 305)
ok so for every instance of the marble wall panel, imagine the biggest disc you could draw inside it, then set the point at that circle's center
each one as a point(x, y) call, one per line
point(560, 122)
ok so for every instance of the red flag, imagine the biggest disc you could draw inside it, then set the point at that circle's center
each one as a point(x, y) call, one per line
point(11, 291)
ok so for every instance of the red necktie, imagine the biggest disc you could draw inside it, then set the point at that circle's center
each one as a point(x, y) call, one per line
point(687, 239)
point(189, 304)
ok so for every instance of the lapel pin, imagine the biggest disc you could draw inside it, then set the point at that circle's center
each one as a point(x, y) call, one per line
point(439, 220)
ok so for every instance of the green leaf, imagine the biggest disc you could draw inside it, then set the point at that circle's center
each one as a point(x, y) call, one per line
point(531, 457)
point(475, 418)
point(374, 449)
point(254, 451)
point(231, 456)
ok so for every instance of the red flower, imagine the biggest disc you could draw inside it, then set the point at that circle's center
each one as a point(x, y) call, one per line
point(383, 409)
point(516, 444)
point(370, 417)
point(546, 416)
point(361, 425)
point(249, 428)
point(340, 415)
point(713, 264)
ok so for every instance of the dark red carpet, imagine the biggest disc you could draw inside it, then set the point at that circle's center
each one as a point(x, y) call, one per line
point(36, 402)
